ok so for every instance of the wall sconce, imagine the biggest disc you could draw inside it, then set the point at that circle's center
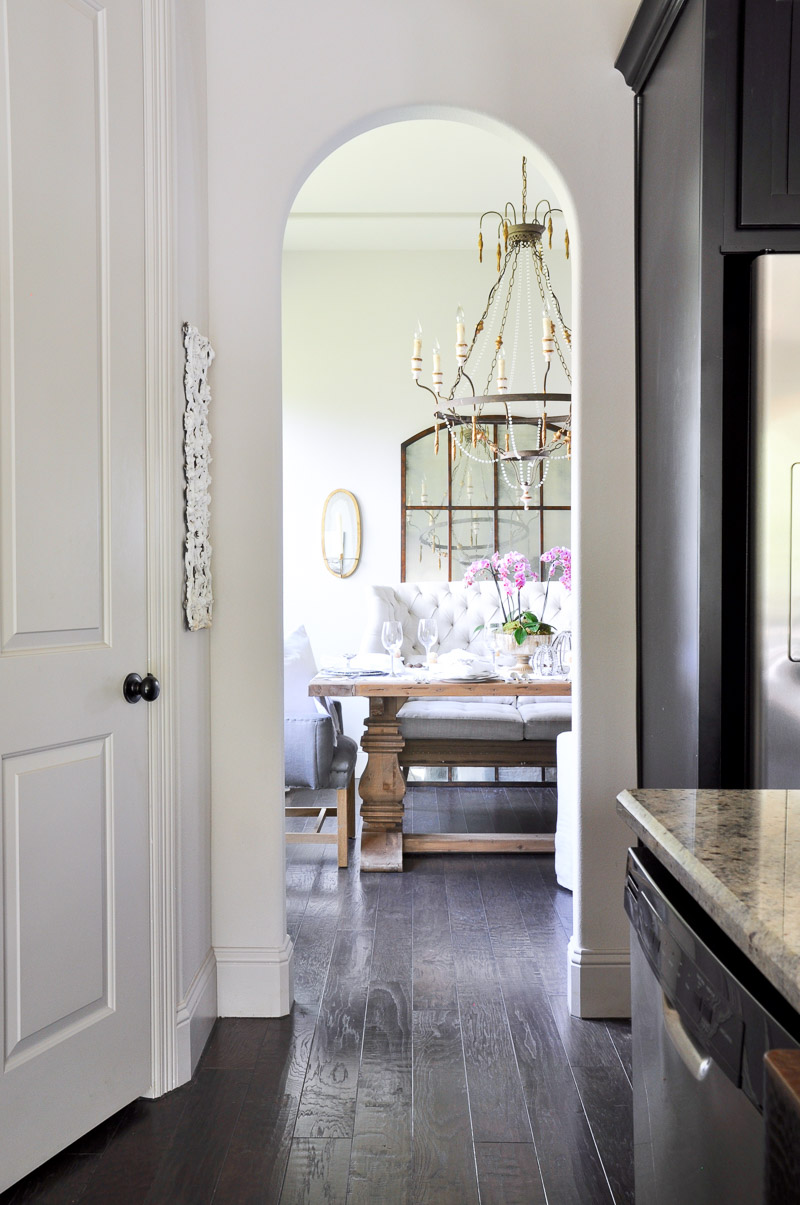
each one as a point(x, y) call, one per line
point(341, 533)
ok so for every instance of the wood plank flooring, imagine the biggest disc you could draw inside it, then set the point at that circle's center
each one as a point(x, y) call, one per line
point(429, 1057)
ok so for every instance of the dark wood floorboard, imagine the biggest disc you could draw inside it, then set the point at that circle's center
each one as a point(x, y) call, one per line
point(508, 1173)
point(620, 1034)
point(570, 1163)
point(497, 1105)
point(129, 1164)
point(434, 971)
point(189, 1170)
point(444, 1160)
point(429, 1056)
point(382, 1136)
point(236, 1044)
point(317, 1172)
point(609, 1111)
point(480, 816)
point(451, 812)
point(257, 1156)
point(328, 1100)
point(587, 1043)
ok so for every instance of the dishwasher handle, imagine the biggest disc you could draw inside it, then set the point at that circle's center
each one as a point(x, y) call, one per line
point(697, 1064)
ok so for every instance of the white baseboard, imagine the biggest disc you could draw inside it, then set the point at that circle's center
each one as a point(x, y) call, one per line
point(254, 981)
point(599, 982)
point(195, 1017)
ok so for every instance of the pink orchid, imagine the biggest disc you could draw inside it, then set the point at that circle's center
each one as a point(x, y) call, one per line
point(556, 557)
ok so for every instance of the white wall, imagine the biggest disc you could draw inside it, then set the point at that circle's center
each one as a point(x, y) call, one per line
point(196, 987)
point(286, 86)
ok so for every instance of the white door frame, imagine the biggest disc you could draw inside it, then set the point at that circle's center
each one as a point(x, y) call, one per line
point(163, 345)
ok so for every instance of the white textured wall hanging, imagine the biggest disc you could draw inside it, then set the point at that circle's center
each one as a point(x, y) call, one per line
point(196, 442)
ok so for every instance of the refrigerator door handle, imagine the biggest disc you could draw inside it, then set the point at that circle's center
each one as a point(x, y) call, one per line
point(794, 565)
point(698, 1065)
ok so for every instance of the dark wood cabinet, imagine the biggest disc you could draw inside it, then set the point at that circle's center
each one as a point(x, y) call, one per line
point(769, 165)
point(716, 126)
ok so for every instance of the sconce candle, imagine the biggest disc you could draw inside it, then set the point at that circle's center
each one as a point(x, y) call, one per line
point(341, 533)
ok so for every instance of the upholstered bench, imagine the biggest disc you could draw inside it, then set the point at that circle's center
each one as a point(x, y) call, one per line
point(478, 731)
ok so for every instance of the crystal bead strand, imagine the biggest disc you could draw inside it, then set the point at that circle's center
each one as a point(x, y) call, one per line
point(543, 277)
point(512, 372)
point(529, 299)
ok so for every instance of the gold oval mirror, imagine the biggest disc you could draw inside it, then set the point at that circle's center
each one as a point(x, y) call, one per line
point(341, 533)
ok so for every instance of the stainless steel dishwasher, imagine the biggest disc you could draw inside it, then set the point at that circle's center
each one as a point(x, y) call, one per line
point(702, 1019)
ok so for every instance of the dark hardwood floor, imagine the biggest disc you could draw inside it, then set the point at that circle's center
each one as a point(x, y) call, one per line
point(429, 1056)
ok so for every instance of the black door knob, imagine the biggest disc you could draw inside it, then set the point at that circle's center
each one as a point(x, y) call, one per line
point(135, 688)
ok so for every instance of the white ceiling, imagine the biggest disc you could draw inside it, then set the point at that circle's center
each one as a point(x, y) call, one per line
point(410, 186)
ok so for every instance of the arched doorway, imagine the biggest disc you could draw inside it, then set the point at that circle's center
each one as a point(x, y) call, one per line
point(383, 233)
point(581, 122)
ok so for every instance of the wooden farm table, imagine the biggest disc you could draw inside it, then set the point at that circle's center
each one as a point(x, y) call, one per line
point(383, 785)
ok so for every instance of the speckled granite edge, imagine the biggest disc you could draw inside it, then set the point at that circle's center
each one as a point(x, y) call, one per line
point(778, 962)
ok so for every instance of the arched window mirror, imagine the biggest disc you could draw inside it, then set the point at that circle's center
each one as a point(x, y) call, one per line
point(454, 511)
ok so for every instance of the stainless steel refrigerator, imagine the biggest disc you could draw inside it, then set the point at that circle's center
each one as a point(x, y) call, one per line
point(775, 528)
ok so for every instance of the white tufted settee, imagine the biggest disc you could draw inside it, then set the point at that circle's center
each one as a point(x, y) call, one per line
point(458, 609)
point(474, 731)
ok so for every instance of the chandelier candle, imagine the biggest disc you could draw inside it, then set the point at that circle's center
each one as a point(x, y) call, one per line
point(416, 354)
point(461, 338)
point(548, 337)
point(502, 379)
point(437, 368)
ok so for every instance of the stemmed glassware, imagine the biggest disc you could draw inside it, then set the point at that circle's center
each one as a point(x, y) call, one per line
point(428, 632)
point(348, 659)
point(392, 639)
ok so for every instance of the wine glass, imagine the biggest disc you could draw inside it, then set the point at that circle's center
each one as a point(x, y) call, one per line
point(428, 632)
point(348, 658)
point(491, 632)
point(392, 639)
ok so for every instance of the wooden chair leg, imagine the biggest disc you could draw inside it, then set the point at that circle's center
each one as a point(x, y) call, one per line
point(351, 807)
point(342, 812)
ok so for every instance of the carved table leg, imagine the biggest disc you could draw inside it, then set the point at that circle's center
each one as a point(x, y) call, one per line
point(382, 788)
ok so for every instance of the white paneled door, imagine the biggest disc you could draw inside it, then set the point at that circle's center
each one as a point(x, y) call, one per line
point(74, 872)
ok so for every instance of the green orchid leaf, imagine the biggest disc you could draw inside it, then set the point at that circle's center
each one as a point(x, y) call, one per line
point(519, 635)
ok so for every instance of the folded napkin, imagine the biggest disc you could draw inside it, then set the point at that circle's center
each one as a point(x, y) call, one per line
point(365, 662)
point(461, 665)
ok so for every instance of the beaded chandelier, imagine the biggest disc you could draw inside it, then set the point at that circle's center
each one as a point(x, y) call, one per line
point(515, 368)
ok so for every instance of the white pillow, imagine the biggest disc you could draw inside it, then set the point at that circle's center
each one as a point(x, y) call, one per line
point(299, 667)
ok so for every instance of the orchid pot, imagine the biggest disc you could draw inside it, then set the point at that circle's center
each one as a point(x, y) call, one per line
point(508, 643)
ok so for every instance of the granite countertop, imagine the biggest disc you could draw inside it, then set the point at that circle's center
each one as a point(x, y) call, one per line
point(738, 854)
